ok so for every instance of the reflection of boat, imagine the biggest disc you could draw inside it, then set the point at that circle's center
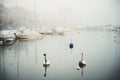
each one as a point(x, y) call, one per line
point(7, 36)
point(27, 34)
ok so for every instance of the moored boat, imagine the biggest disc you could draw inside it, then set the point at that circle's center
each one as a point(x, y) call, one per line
point(7, 36)
point(27, 34)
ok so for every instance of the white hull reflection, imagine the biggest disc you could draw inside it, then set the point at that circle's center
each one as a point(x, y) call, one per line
point(29, 35)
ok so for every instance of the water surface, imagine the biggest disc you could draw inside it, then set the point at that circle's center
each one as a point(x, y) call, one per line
point(24, 59)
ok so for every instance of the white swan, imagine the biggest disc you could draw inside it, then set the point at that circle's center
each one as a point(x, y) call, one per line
point(46, 62)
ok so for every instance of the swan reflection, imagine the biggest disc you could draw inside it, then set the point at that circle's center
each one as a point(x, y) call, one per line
point(46, 64)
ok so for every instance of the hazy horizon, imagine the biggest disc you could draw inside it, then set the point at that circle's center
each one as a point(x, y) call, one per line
point(71, 12)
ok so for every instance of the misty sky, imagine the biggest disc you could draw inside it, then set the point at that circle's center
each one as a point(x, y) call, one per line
point(72, 12)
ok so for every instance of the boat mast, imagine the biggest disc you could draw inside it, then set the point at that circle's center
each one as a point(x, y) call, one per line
point(2, 7)
point(34, 13)
point(15, 14)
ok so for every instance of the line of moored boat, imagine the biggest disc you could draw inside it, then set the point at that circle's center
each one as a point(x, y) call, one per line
point(9, 35)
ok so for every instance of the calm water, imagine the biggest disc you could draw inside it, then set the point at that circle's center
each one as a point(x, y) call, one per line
point(24, 59)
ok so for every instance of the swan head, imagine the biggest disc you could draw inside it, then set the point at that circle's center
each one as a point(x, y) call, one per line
point(44, 54)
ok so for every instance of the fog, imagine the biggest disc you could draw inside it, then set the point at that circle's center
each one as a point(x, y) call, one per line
point(70, 12)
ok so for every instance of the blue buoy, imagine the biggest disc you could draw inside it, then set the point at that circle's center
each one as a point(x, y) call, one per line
point(71, 45)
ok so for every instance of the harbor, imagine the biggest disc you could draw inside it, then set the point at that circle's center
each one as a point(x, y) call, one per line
point(59, 39)
point(24, 59)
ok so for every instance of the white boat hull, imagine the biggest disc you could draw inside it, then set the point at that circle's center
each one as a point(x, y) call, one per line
point(7, 37)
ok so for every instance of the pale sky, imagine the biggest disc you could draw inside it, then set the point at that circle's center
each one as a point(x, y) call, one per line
point(75, 12)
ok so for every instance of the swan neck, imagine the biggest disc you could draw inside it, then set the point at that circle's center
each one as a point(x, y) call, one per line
point(45, 60)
